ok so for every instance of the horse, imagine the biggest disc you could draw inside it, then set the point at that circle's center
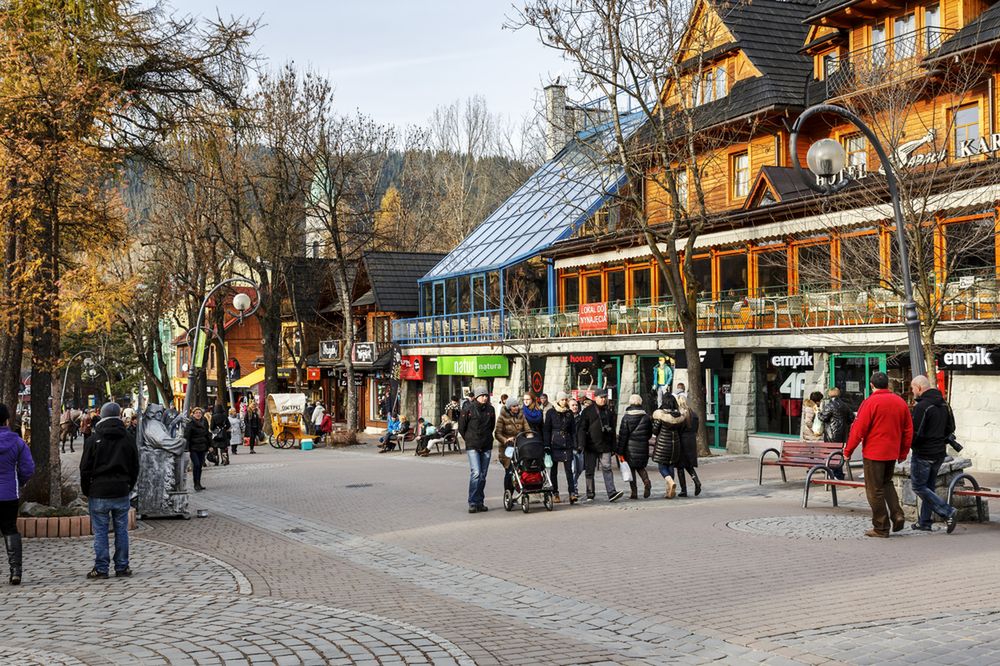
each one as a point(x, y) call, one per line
point(69, 428)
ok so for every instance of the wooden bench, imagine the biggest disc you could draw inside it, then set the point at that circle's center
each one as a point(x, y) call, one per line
point(977, 491)
point(447, 443)
point(829, 481)
point(800, 453)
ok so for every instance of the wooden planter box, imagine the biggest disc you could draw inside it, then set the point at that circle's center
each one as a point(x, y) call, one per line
point(61, 526)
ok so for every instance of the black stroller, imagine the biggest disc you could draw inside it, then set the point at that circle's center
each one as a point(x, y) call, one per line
point(527, 474)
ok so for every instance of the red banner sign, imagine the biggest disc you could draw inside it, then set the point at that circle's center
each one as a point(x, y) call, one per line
point(594, 317)
point(312, 374)
point(412, 367)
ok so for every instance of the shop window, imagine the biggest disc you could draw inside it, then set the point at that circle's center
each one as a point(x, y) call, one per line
point(772, 273)
point(571, 292)
point(641, 284)
point(732, 275)
point(739, 175)
point(970, 248)
point(779, 397)
point(814, 267)
point(701, 270)
point(616, 286)
point(378, 402)
point(966, 121)
point(592, 288)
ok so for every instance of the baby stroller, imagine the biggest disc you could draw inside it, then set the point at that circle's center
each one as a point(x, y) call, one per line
point(527, 474)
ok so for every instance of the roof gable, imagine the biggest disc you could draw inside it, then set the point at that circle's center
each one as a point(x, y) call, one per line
point(393, 278)
point(775, 185)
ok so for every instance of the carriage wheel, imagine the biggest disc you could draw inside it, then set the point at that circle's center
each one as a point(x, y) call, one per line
point(508, 500)
point(525, 504)
point(547, 501)
point(272, 441)
point(286, 440)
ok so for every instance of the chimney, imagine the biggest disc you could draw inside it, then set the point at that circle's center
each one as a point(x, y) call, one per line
point(557, 121)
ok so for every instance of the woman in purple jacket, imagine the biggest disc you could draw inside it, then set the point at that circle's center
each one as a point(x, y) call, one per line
point(16, 467)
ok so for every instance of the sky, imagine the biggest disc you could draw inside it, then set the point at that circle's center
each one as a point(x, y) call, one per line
point(397, 60)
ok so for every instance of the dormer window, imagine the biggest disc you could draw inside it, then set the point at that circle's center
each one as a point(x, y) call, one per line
point(830, 63)
point(710, 85)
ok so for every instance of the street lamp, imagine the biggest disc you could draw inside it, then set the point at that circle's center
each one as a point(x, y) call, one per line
point(88, 363)
point(244, 307)
point(826, 159)
point(225, 354)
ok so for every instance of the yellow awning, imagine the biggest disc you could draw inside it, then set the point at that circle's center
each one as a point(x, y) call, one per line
point(251, 380)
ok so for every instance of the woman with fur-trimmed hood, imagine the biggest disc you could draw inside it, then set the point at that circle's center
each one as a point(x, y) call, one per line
point(668, 423)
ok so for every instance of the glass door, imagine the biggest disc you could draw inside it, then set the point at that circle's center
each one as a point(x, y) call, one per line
point(719, 400)
point(851, 373)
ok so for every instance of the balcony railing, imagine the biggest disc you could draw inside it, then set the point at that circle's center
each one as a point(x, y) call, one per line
point(965, 299)
point(895, 59)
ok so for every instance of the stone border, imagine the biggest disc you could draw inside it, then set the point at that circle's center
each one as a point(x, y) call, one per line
point(61, 526)
point(243, 584)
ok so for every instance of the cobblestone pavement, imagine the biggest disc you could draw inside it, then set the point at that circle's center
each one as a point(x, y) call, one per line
point(311, 557)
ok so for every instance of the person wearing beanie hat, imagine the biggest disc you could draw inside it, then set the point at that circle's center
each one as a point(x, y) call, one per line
point(16, 467)
point(475, 425)
point(559, 435)
point(595, 434)
point(510, 424)
point(109, 469)
point(633, 444)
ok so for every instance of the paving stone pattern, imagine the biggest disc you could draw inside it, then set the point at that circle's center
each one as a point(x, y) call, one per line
point(817, 527)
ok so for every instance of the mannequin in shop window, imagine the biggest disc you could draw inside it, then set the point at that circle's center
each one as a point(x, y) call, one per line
point(663, 378)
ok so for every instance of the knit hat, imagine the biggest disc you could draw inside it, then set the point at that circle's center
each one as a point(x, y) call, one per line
point(481, 390)
point(111, 410)
point(513, 402)
point(562, 395)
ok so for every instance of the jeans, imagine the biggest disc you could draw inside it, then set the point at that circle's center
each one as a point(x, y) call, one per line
point(666, 470)
point(923, 476)
point(102, 512)
point(570, 479)
point(197, 463)
point(590, 464)
point(882, 495)
point(479, 465)
point(577, 467)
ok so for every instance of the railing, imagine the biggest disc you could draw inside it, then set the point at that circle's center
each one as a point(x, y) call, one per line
point(963, 299)
point(892, 60)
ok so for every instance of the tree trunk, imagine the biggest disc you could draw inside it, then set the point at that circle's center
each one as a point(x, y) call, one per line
point(55, 431)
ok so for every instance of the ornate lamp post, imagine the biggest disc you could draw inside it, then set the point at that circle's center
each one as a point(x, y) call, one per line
point(243, 305)
point(826, 159)
point(89, 363)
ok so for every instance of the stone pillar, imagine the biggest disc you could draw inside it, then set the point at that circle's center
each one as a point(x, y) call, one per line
point(742, 410)
point(949, 470)
point(512, 385)
point(556, 375)
point(975, 402)
point(628, 384)
point(816, 379)
point(430, 408)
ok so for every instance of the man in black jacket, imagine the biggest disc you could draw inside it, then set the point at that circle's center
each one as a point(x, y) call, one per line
point(476, 426)
point(109, 469)
point(595, 434)
point(933, 423)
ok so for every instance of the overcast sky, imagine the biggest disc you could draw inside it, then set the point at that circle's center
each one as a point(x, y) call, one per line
point(399, 59)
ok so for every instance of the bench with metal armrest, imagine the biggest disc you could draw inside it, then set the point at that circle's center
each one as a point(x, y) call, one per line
point(977, 491)
point(807, 454)
point(828, 480)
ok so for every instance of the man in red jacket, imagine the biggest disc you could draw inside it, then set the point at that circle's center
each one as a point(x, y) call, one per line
point(884, 429)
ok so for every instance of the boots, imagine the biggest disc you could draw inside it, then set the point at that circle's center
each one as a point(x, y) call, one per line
point(633, 487)
point(697, 483)
point(682, 479)
point(590, 489)
point(13, 543)
point(224, 456)
point(646, 485)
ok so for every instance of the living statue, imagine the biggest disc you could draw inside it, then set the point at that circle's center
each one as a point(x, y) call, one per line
point(162, 485)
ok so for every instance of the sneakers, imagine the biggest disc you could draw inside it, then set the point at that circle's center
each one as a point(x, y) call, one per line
point(920, 528)
point(573, 499)
point(473, 508)
point(482, 508)
point(124, 573)
point(952, 521)
point(615, 497)
point(95, 574)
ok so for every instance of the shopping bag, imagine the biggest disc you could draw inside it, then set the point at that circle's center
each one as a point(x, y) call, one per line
point(817, 426)
point(626, 472)
point(548, 461)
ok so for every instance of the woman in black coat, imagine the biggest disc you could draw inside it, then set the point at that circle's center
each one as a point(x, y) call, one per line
point(253, 426)
point(559, 435)
point(668, 423)
point(199, 440)
point(221, 431)
point(633, 443)
point(689, 449)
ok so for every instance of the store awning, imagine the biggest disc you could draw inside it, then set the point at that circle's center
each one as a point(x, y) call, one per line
point(251, 380)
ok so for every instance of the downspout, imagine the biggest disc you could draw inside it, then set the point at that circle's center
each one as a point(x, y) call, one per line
point(550, 267)
point(503, 318)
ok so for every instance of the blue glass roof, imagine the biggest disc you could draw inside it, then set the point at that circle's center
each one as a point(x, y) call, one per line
point(548, 207)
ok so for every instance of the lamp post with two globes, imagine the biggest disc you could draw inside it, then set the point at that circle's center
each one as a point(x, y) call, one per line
point(826, 159)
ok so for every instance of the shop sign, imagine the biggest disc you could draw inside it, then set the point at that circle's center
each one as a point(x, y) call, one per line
point(359, 380)
point(312, 374)
point(285, 373)
point(582, 358)
point(329, 350)
point(473, 366)
point(412, 367)
point(594, 317)
point(978, 359)
point(795, 359)
point(710, 358)
point(364, 353)
point(580, 394)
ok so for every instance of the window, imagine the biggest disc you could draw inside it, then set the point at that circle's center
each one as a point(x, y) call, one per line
point(732, 275)
point(831, 62)
point(452, 294)
point(856, 146)
point(463, 294)
point(970, 248)
point(616, 286)
point(860, 249)
point(932, 27)
point(878, 45)
point(772, 273)
point(641, 284)
point(427, 300)
point(662, 288)
point(814, 268)
point(904, 37)
point(739, 175)
point(966, 120)
point(709, 85)
point(721, 80)
point(439, 298)
point(701, 269)
point(478, 300)
point(681, 182)
point(571, 292)
point(592, 289)
point(779, 397)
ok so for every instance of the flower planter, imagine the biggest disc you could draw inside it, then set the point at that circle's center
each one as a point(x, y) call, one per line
point(61, 526)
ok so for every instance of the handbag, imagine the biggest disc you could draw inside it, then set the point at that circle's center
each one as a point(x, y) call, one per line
point(212, 456)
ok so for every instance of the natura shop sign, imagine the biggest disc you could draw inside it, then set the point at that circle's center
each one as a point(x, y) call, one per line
point(594, 317)
point(473, 366)
point(976, 359)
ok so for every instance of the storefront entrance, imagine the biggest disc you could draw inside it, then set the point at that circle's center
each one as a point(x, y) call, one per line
point(851, 373)
point(720, 392)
